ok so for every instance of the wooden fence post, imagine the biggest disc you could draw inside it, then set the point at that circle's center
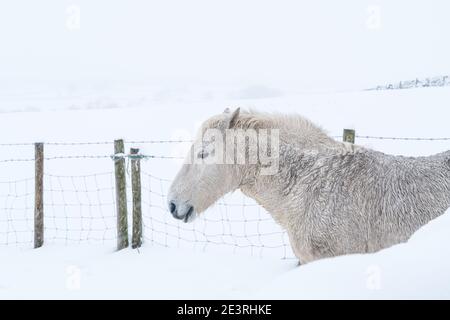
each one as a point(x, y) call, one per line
point(349, 135)
point(39, 195)
point(121, 195)
point(136, 241)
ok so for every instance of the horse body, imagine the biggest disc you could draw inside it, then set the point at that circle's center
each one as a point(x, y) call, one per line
point(358, 202)
point(333, 198)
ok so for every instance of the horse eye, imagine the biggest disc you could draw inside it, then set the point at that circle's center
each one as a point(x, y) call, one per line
point(202, 154)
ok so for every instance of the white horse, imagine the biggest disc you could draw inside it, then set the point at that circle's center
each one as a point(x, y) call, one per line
point(333, 198)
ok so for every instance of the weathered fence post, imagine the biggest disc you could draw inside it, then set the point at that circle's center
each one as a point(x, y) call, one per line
point(136, 241)
point(349, 135)
point(39, 195)
point(121, 194)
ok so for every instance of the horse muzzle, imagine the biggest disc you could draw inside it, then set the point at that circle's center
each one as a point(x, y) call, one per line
point(182, 211)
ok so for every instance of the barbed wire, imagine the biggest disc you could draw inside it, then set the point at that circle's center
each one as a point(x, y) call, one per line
point(87, 143)
point(56, 158)
point(158, 141)
point(86, 156)
point(401, 138)
point(17, 160)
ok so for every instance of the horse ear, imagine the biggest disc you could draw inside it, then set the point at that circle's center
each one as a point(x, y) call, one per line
point(233, 118)
point(227, 110)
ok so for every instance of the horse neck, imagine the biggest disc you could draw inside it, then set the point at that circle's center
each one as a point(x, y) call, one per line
point(266, 189)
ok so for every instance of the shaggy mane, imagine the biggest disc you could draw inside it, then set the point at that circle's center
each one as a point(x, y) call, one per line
point(295, 130)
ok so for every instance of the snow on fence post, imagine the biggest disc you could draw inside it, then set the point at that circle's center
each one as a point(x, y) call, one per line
point(136, 241)
point(121, 194)
point(39, 195)
point(349, 135)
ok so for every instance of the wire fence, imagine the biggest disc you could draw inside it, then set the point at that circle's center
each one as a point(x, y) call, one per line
point(80, 203)
point(235, 224)
point(81, 208)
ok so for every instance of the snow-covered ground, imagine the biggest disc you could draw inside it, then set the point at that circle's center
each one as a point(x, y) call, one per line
point(415, 270)
point(83, 267)
point(95, 71)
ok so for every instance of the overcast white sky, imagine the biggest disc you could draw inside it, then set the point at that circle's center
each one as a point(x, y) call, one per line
point(307, 45)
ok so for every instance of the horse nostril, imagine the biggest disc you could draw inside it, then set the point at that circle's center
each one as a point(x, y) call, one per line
point(172, 207)
point(189, 213)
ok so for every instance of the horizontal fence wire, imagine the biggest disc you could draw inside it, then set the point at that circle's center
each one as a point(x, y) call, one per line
point(402, 138)
point(93, 143)
point(142, 142)
point(151, 156)
point(81, 207)
point(89, 157)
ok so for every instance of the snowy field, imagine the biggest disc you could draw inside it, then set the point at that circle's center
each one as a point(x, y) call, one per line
point(223, 255)
point(79, 74)
point(416, 270)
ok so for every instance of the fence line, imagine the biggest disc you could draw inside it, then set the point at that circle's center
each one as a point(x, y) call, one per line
point(140, 142)
point(86, 143)
point(83, 208)
point(88, 157)
point(402, 138)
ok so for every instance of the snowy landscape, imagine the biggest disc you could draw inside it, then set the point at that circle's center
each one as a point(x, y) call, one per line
point(77, 94)
point(82, 264)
